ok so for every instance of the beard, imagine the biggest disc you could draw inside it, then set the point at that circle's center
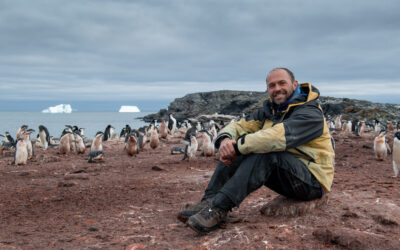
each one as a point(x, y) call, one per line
point(281, 96)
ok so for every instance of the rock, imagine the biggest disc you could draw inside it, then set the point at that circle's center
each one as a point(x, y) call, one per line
point(385, 220)
point(66, 184)
point(157, 168)
point(282, 206)
point(235, 103)
point(48, 158)
point(76, 177)
point(93, 228)
point(354, 239)
point(226, 102)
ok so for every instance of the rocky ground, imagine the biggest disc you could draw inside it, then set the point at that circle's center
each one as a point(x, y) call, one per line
point(64, 202)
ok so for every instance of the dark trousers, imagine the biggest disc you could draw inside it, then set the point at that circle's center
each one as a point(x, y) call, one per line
point(279, 171)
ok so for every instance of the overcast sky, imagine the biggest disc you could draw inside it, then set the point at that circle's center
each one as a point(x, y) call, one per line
point(159, 50)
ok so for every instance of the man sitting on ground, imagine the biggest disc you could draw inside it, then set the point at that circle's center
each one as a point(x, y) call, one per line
point(285, 145)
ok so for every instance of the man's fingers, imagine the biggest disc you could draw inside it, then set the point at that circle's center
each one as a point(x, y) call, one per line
point(226, 161)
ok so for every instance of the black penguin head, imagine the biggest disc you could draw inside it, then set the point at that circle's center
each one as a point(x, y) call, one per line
point(382, 132)
point(397, 135)
point(41, 128)
point(99, 133)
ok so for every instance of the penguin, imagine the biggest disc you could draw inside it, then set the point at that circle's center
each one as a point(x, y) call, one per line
point(332, 126)
point(213, 132)
point(377, 127)
point(79, 144)
point(190, 149)
point(82, 132)
point(361, 128)
point(26, 137)
point(10, 139)
point(131, 147)
point(97, 144)
point(53, 141)
point(21, 152)
point(344, 127)
point(44, 136)
point(177, 150)
point(199, 126)
point(72, 142)
point(108, 133)
point(190, 132)
point(349, 126)
point(154, 140)
point(171, 124)
point(125, 132)
point(163, 130)
point(147, 134)
point(208, 146)
point(390, 126)
point(380, 146)
point(21, 130)
point(64, 145)
point(396, 154)
point(68, 129)
point(95, 156)
point(338, 122)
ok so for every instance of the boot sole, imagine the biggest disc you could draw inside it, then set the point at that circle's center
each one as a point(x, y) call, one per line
point(193, 224)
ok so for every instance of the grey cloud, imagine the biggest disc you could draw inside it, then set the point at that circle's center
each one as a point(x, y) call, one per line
point(67, 44)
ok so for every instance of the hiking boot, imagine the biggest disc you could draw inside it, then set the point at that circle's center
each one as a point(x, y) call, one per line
point(207, 219)
point(188, 211)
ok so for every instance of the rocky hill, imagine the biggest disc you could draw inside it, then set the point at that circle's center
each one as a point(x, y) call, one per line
point(236, 103)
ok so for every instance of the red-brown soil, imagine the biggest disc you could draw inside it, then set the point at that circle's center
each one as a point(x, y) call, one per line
point(63, 202)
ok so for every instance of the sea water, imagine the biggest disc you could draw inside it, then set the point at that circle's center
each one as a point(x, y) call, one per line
point(55, 123)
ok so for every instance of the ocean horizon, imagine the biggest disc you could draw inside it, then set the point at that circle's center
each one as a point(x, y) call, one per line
point(91, 121)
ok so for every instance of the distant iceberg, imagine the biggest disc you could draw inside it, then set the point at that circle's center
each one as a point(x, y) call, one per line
point(61, 108)
point(129, 109)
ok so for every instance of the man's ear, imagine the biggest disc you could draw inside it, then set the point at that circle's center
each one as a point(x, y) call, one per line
point(295, 83)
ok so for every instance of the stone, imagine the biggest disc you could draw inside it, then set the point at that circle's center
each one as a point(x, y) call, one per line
point(283, 206)
point(354, 239)
point(76, 177)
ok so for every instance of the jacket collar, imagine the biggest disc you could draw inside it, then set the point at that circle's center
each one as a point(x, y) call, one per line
point(304, 92)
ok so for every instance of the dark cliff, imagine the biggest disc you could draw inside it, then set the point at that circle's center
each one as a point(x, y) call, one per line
point(236, 103)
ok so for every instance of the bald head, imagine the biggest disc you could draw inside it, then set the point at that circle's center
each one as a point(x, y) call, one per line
point(280, 85)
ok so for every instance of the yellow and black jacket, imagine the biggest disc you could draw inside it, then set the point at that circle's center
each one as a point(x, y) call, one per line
point(299, 128)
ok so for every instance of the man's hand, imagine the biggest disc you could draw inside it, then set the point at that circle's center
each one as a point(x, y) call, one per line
point(227, 151)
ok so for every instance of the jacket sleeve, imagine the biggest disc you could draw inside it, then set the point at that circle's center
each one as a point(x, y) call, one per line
point(235, 130)
point(304, 124)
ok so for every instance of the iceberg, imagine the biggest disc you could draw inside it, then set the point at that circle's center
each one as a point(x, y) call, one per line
point(129, 109)
point(61, 108)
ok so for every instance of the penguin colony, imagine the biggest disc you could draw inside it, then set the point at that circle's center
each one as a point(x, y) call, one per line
point(194, 137)
point(197, 139)
point(383, 132)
